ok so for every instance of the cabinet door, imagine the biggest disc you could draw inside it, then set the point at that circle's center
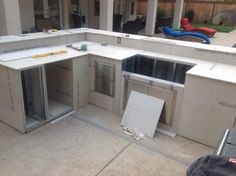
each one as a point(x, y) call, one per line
point(102, 83)
point(168, 96)
point(105, 78)
point(208, 109)
point(105, 83)
point(136, 86)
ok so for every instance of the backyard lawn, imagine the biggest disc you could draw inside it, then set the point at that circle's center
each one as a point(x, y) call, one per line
point(219, 28)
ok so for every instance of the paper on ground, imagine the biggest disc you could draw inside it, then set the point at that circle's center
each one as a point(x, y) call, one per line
point(135, 133)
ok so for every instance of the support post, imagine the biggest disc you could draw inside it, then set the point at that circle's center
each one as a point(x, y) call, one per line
point(45, 9)
point(151, 17)
point(178, 13)
point(10, 21)
point(66, 16)
point(106, 15)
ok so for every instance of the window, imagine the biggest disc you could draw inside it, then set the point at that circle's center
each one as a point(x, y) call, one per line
point(132, 8)
point(96, 7)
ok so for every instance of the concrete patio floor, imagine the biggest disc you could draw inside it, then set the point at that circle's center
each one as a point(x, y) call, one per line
point(224, 39)
point(91, 142)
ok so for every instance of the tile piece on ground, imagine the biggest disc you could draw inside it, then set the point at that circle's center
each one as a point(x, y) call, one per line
point(136, 160)
point(143, 113)
point(69, 147)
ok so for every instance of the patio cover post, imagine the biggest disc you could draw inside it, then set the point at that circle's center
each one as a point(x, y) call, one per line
point(106, 15)
point(10, 17)
point(64, 11)
point(45, 9)
point(178, 13)
point(151, 17)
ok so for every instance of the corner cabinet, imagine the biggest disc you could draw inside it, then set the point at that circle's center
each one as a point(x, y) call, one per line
point(105, 83)
point(209, 107)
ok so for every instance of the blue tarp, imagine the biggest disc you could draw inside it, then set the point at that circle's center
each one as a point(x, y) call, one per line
point(170, 31)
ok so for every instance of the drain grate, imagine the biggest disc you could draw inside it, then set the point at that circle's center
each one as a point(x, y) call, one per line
point(156, 150)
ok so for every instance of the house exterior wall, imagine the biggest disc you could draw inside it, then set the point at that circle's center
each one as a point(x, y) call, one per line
point(19, 16)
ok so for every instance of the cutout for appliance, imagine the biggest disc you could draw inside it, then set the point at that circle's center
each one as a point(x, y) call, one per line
point(59, 88)
point(156, 68)
point(143, 113)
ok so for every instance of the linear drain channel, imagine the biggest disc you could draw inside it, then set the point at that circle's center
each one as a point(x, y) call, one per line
point(140, 143)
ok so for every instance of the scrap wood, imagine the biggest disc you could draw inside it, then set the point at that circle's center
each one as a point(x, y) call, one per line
point(49, 54)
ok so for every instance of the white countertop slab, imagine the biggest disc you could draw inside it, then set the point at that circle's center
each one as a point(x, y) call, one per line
point(202, 68)
point(217, 71)
point(40, 35)
point(17, 55)
point(112, 52)
point(29, 62)
point(116, 34)
point(23, 59)
point(167, 57)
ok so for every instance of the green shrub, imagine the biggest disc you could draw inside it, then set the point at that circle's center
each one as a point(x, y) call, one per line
point(160, 13)
point(190, 15)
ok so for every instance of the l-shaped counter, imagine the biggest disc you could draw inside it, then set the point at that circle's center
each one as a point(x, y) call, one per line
point(200, 108)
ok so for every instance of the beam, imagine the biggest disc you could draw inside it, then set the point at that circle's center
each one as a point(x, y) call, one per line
point(151, 17)
point(178, 13)
point(106, 15)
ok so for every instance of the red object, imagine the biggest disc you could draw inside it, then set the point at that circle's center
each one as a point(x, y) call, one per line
point(232, 160)
point(207, 31)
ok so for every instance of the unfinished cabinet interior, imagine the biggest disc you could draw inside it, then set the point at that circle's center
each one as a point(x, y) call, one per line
point(37, 95)
point(209, 107)
point(59, 84)
point(158, 78)
point(105, 81)
point(34, 96)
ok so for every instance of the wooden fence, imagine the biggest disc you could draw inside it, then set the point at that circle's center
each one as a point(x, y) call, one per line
point(203, 10)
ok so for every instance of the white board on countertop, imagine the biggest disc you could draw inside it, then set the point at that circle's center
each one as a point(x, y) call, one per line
point(16, 55)
point(143, 113)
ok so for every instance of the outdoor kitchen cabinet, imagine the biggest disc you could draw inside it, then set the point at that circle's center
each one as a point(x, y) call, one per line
point(208, 108)
point(82, 81)
point(159, 78)
point(105, 83)
point(33, 96)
